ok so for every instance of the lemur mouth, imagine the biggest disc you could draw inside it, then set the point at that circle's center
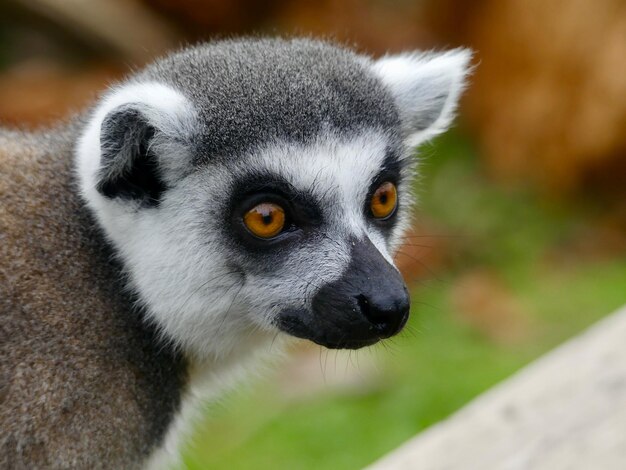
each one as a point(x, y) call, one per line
point(293, 327)
point(352, 333)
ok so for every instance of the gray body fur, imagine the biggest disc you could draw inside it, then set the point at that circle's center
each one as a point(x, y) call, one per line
point(83, 383)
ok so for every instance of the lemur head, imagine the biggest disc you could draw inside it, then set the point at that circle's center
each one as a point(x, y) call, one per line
point(258, 186)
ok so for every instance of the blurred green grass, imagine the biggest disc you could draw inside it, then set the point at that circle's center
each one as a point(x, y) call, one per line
point(441, 362)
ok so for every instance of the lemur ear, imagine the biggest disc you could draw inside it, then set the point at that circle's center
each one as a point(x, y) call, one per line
point(133, 147)
point(426, 88)
point(129, 167)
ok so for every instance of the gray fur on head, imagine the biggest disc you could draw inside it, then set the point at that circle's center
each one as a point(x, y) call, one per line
point(248, 93)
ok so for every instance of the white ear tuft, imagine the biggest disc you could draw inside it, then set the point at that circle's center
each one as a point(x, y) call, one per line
point(426, 88)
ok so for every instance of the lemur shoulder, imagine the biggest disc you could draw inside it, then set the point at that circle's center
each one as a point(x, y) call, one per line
point(155, 244)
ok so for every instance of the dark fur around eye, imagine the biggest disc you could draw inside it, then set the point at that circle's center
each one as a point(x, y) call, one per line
point(302, 212)
point(391, 171)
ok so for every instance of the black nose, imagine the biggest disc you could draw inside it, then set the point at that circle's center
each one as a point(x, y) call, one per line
point(387, 314)
point(369, 302)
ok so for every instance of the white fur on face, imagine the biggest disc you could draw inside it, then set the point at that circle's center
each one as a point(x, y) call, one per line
point(177, 256)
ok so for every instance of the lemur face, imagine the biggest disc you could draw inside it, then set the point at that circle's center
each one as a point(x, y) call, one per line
point(308, 231)
point(259, 187)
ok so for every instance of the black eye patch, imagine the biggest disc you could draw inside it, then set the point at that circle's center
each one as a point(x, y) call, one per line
point(302, 210)
point(391, 171)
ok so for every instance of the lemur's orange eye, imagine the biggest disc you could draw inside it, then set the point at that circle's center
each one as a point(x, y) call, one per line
point(265, 220)
point(384, 200)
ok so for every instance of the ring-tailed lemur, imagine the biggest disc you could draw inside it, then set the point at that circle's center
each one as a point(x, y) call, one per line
point(153, 246)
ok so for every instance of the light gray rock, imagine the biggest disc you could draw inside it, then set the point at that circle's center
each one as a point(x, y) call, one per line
point(567, 410)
